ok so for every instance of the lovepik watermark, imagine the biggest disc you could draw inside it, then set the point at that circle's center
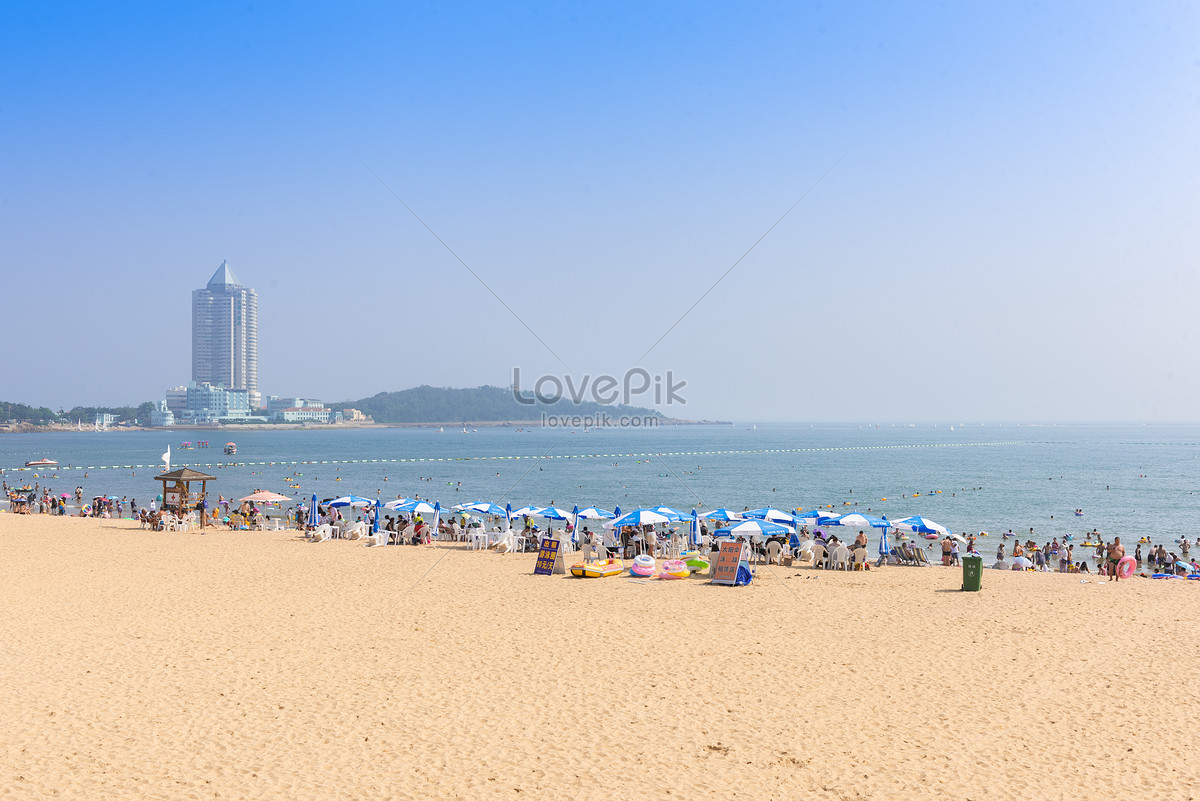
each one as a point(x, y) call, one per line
point(636, 386)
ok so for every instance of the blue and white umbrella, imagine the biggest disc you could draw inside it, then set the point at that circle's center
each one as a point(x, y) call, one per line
point(813, 518)
point(484, 507)
point(592, 513)
point(640, 517)
point(418, 507)
point(526, 511)
point(314, 516)
point(437, 517)
point(350, 500)
point(507, 516)
point(855, 520)
point(694, 538)
point(723, 515)
point(755, 528)
point(668, 512)
point(396, 504)
point(767, 513)
point(378, 513)
point(919, 525)
point(553, 513)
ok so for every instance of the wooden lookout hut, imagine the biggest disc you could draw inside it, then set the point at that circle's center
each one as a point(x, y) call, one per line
point(177, 492)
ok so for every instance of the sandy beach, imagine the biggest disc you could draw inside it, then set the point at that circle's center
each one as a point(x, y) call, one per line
point(257, 665)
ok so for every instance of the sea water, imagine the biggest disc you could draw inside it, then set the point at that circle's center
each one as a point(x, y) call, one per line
point(1129, 480)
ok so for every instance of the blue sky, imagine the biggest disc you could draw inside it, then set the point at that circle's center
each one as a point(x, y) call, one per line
point(996, 223)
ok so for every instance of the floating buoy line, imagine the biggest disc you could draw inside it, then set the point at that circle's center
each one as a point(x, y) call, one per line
point(420, 459)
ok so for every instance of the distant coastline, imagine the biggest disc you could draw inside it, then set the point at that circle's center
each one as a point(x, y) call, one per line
point(33, 428)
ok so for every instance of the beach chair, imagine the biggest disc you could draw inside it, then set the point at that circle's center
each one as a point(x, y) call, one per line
point(774, 550)
point(921, 558)
point(859, 558)
point(839, 559)
point(818, 555)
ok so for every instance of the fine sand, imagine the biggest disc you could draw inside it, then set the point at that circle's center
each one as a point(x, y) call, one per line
point(239, 665)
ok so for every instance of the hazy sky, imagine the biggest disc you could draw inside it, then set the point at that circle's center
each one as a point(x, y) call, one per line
point(998, 218)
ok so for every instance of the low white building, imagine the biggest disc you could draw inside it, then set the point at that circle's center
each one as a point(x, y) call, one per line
point(162, 415)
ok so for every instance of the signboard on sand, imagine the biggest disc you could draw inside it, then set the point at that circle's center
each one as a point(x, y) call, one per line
point(549, 558)
point(728, 559)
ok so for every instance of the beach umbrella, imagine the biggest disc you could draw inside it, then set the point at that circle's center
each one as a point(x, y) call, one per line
point(526, 510)
point(313, 514)
point(695, 531)
point(349, 500)
point(722, 515)
point(375, 522)
point(437, 516)
point(263, 496)
point(640, 517)
point(755, 528)
point(919, 525)
point(507, 516)
point(592, 513)
point(483, 507)
point(418, 507)
point(554, 513)
point(396, 504)
point(668, 512)
point(767, 513)
point(855, 520)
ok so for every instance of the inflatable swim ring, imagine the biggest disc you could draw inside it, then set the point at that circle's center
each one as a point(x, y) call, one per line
point(601, 569)
point(1126, 566)
point(674, 569)
point(931, 536)
point(694, 561)
point(643, 565)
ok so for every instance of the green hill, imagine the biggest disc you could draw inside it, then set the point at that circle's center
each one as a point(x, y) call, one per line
point(427, 404)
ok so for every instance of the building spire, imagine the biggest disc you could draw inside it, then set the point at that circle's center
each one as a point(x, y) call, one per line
point(224, 277)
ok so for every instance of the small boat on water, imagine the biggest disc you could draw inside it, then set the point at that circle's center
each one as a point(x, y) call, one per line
point(230, 448)
point(42, 463)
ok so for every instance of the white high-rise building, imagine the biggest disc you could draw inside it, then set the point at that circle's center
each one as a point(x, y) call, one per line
point(225, 334)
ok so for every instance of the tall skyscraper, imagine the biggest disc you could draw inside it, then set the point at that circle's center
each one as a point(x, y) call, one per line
point(225, 334)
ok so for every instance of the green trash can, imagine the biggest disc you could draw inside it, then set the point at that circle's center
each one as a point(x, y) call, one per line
point(972, 573)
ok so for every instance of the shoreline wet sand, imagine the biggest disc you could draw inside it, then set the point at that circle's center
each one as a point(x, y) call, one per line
point(258, 665)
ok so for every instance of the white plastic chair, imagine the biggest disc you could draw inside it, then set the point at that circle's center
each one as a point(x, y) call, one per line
point(774, 549)
point(840, 558)
point(323, 533)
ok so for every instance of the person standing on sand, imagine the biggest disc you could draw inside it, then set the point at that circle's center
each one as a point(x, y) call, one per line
point(1116, 552)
